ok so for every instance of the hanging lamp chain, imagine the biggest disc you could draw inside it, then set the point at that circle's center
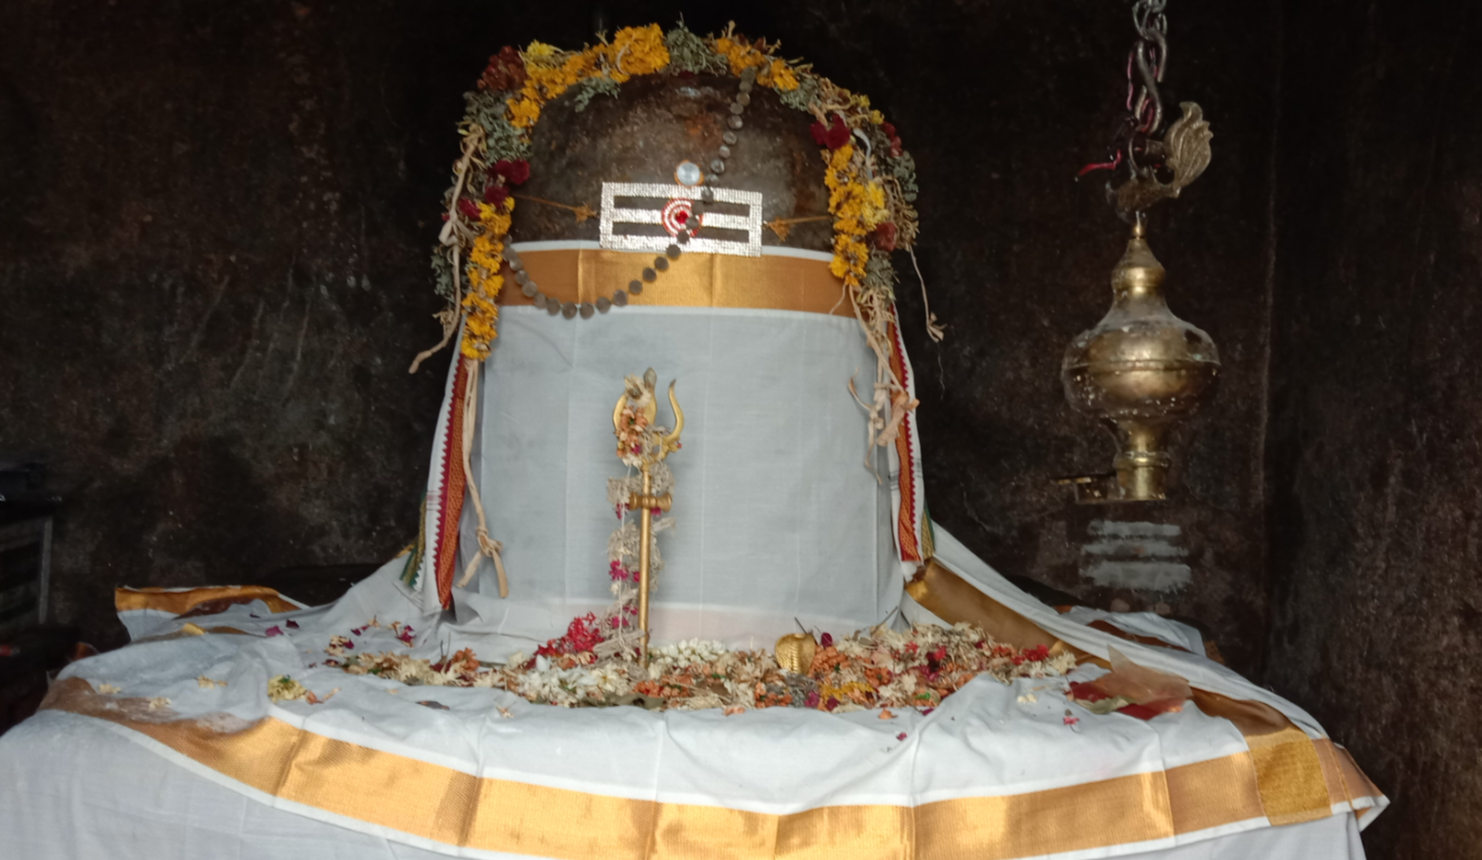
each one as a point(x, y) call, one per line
point(1158, 164)
point(1148, 59)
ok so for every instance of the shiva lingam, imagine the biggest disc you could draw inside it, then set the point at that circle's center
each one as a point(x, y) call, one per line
point(1142, 370)
point(640, 443)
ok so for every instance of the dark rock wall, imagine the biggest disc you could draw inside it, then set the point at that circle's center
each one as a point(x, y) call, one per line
point(214, 224)
point(1377, 403)
point(213, 263)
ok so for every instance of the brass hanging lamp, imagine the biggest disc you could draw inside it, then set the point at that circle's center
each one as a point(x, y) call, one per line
point(1141, 370)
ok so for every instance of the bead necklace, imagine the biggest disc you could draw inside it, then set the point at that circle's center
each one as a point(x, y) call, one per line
point(688, 174)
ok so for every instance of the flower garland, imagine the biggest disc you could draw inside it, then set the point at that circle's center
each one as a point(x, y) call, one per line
point(876, 668)
point(870, 178)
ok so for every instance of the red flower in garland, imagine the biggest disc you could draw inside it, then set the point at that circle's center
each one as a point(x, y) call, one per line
point(469, 208)
point(895, 142)
point(885, 236)
point(514, 172)
point(506, 71)
point(832, 136)
point(495, 194)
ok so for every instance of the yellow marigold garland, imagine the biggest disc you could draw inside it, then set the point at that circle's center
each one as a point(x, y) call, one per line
point(485, 259)
point(870, 187)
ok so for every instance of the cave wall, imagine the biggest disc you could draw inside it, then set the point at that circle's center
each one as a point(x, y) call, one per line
point(214, 227)
point(1376, 471)
point(215, 219)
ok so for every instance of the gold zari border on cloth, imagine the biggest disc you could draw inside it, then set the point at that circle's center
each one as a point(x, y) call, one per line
point(181, 602)
point(694, 280)
point(1296, 778)
point(448, 806)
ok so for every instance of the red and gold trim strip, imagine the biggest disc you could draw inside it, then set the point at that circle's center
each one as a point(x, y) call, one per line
point(452, 490)
point(910, 518)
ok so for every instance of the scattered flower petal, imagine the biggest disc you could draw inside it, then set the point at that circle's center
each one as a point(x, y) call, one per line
point(1141, 712)
point(283, 688)
point(315, 700)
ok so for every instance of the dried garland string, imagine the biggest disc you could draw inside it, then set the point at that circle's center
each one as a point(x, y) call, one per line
point(449, 237)
point(488, 548)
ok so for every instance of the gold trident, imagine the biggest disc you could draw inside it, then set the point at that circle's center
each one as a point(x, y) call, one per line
point(640, 393)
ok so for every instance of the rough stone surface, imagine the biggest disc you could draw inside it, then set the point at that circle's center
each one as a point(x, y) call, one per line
point(213, 252)
point(1375, 466)
point(646, 130)
point(214, 228)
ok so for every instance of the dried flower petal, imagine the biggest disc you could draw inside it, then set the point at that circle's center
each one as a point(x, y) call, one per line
point(833, 136)
point(515, 171)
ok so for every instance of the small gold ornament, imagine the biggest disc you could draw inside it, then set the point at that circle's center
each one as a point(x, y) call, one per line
point(640, 445)
point(795, 652)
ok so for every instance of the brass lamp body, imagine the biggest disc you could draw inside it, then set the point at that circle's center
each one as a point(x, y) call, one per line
point(1141, 370)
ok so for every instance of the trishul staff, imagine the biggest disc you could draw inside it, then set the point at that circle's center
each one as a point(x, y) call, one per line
point(640, 444)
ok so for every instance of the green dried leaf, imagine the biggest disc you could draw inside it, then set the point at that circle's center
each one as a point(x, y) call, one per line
point(879, 274)
point(501, 140)
point(589, 88)
point(442, 274)
point(804, 96)
point(690, 53)
point(904, 170)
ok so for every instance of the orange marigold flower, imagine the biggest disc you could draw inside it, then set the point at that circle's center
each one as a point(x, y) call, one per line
point(637, 51)
point(779, 76)
point(523, 112)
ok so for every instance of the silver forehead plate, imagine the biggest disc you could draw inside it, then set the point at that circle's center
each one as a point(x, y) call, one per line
point(750, 223)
